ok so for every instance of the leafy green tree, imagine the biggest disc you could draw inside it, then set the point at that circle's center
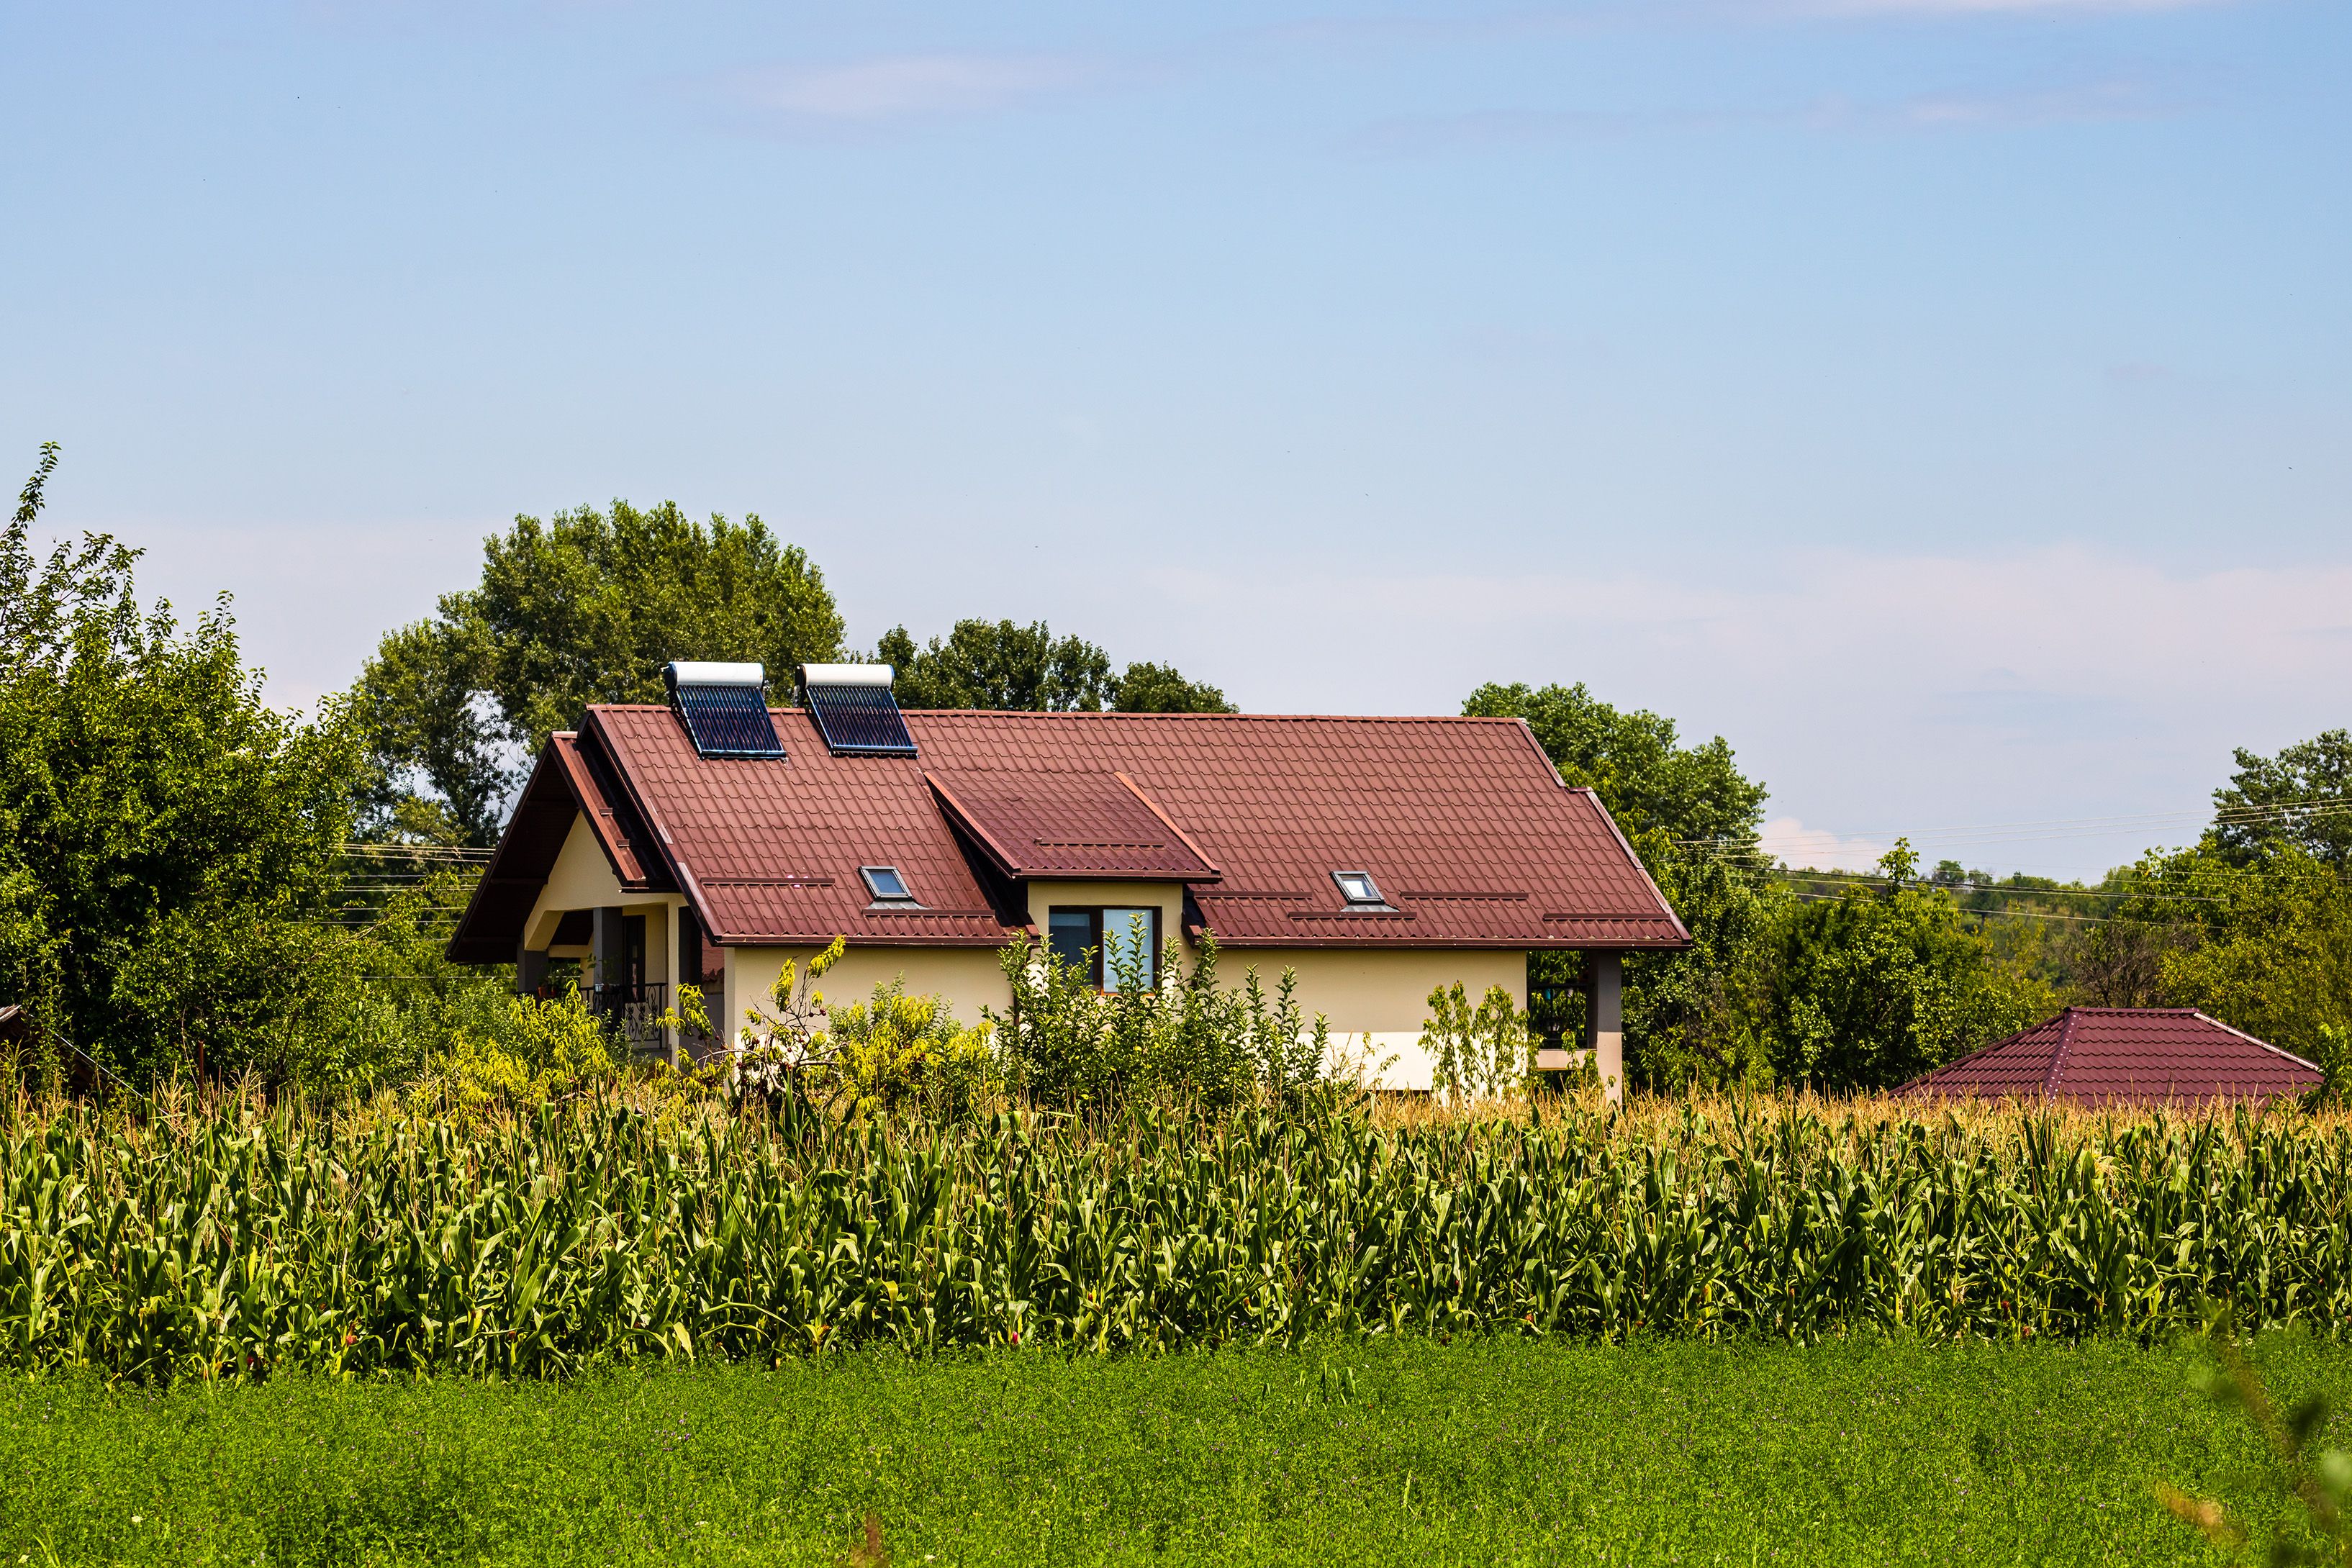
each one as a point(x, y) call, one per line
point(2268, 803)
point(166, 837)
point(585, 608)
point(2265, 947)
point(1637, 764)
point(1881, 983)
point(1698, 1017)
point(1692, 816)
point(1158, 688)
point(1002, 665)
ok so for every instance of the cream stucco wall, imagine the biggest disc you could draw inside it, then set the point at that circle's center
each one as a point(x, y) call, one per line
point(1375, 999)
point(582, 879)
point(968, 976)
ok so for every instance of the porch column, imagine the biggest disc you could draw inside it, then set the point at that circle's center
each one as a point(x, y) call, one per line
point(611, 946)
point(1605, 997)
point(531, 969)
point(702, 964)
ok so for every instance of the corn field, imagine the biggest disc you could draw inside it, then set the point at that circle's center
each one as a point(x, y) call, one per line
point(173, 1239)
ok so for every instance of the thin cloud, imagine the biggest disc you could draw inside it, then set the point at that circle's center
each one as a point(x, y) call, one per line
point(1866, 690)
point(2084, 101)
point(899, 88)
point(1992, 7)
point(1817, 848)
point(1500, 129)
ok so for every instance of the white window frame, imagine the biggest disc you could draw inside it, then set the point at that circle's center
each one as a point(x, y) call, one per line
point(905, 894)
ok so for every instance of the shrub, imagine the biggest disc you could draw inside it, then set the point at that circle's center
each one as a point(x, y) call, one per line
point(894, 1051)
point(1069, 1045)
point(546, 1049)
point(1481, 1050)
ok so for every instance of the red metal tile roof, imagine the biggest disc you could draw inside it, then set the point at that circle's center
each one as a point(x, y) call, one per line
point(1463, 821)
point(1074, 824)
point(616, 827)
point(569, 782)
point(2124, 1056)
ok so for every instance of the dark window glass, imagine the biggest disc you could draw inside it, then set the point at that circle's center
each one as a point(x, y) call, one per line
point(1086, 938)
point(1076, 937)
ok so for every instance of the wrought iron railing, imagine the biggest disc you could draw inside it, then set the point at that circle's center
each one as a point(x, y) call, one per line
point(633, 1011)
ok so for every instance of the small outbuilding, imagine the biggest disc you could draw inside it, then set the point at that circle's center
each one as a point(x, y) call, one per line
point(2123, 1056)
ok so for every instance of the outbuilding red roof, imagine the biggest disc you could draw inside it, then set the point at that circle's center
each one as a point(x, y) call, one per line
point(2124, 1056)
point(1465, 824)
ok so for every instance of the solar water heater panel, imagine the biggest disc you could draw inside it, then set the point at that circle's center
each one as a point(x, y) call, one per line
point(728, 721)
point(860, 720)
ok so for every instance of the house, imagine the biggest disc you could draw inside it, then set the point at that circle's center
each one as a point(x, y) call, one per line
point(713, 838)
point(2123, 1056)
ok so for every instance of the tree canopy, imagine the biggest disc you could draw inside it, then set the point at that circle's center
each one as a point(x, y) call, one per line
point(2300, 799)
point(1636, 762)
point(585, 608)
point(1885, 981)
point(167, 839)
point(1002, 665)
point(1692, 816)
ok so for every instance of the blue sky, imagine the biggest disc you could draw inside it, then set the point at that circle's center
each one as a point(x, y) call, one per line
point(1945, 400)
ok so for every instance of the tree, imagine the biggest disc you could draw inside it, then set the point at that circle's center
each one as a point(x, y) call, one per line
point(2268, 803)
point(1697, 1017)
point(166, 837)
point(1158, 688)
point(1881, 983)
point(2265, 947)
point(584, 608)
point(1636, 763)
point(1692, 816)
point(1001, 664)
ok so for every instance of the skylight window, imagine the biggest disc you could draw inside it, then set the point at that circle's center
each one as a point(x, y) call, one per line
point(886, 885)
point(1358, 888)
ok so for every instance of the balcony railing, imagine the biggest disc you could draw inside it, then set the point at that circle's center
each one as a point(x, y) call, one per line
point(632, 1011)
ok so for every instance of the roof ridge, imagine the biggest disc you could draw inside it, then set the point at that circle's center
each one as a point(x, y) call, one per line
point(1024, 713)
point(2250, 1040)
point(2058, 1055)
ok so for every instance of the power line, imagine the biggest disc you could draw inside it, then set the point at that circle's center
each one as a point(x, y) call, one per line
point(1984, 914)
point(2318, 806)
point(2122, 883)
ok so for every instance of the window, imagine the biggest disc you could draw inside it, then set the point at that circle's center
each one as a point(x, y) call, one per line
point(886, 885)
point(1110, 946)
point(1357, 887)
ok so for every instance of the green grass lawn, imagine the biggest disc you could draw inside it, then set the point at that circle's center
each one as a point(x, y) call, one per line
point(1492, 1451)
